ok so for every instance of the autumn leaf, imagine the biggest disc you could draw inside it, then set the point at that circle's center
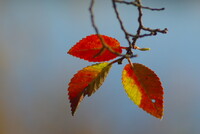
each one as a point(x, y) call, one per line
point(90, 48)
point(144, 88)
point(86, 82)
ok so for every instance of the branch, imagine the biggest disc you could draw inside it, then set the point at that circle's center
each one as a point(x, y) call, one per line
point(120, 22)
point(132, 45)
point(152, 32)
point(105, 46)
point(134, 3)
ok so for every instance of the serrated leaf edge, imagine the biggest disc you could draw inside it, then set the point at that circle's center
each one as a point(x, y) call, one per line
point(147, 94)
point(88, 90)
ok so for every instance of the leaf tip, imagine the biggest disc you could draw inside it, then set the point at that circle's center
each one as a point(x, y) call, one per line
point(73, 113)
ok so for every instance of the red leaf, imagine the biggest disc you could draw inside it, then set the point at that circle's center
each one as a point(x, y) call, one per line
point(144, 88)
point(89, 49)
point(86, 82)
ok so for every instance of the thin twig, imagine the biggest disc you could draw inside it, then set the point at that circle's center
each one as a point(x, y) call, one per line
point(138, 4)
point(164, 31)
point(140, 25)
point(105, 46)
point(120, 22)
point(132, 45)
point(134, 3)
point(92, 17)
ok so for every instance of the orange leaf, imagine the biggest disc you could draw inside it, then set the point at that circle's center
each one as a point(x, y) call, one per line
point(144, 88)
point(86, 82)
point(90, 48)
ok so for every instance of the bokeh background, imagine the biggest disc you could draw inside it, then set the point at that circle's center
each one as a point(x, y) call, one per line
point(35, 69)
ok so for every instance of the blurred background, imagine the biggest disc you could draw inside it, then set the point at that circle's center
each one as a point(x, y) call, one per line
point(35, 68)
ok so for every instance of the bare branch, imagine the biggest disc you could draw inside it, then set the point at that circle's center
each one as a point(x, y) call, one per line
point(105, 46)
point(138, 4)
point(120, 22)
point(132, 44)
point(92, 17)
point(134, 3)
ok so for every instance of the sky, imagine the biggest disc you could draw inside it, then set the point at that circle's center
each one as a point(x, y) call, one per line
point(35, 68)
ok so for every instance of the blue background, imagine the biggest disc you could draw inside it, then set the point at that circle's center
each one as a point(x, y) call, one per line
point(35, 69)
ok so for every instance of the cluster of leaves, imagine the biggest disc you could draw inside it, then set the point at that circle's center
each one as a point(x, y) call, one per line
point(140, 83)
